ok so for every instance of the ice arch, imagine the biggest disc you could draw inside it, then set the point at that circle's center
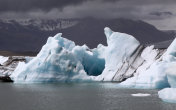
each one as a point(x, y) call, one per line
point(61, 60)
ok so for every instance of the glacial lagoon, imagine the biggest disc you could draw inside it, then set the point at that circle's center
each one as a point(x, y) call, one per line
point(78, 96)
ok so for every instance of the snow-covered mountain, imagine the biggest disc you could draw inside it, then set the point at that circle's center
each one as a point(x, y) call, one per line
point(31, 34)
point(41, 24)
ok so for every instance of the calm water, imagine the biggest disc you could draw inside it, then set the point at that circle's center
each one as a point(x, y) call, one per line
point(85, 96)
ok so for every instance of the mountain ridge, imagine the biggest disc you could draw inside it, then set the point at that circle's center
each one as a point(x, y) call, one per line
point(16, 35)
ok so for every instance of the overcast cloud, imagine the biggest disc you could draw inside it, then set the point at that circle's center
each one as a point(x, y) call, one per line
point(160, 13)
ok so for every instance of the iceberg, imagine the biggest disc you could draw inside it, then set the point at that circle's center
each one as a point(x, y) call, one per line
point(8, 64)
point(151, 74)
point(123, 60)
point(61, 60)
point(168, 95)
point(55, 62)
point(153, 78)
point(3, 59)
point(119, 50)
point(160, 73)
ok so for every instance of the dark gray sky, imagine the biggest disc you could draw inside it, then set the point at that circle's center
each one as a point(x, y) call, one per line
point(161, 13)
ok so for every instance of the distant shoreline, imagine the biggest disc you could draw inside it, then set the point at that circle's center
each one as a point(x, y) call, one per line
point(11, 53)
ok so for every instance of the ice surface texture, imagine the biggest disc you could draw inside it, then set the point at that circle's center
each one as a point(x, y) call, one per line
point(120, 48)
point(151, 74)
point(9, 64)
point(161, 72)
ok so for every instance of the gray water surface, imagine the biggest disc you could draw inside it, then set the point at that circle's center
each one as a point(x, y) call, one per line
point(77, 96)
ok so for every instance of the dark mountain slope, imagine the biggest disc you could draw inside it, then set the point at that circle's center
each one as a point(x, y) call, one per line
point(15, 36)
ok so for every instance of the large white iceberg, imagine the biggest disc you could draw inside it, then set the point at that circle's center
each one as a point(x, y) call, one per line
point(55, 62)
point(61, 60)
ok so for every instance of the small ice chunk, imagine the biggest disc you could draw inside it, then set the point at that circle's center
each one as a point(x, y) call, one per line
point(168, 95)
point(141, 95)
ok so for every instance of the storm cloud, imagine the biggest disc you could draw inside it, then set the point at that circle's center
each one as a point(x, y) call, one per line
point(156, 12)
point(31, 5)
